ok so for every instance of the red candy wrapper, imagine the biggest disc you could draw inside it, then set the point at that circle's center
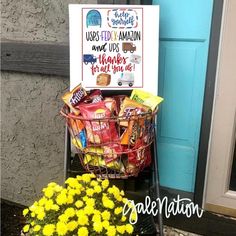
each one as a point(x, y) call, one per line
point(100, 129)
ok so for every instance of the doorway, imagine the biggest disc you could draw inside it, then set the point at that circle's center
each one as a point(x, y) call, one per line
point(220, 193)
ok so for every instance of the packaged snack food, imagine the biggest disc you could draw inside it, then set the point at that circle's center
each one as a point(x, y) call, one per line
point(78, 130)
point(98, 124)
point(119, 99)
point(132, 133)
point(146, 98)
point(112, 152)
point(110, 103)
point(94, 97)
point(74, 97)
point(128, 107)
point(140, 156)
point(131, 169)
point(97, 160)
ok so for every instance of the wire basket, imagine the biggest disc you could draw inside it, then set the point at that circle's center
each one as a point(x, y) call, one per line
point(114, 147)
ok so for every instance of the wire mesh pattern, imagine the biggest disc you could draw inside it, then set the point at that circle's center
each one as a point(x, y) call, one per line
point(114, 147)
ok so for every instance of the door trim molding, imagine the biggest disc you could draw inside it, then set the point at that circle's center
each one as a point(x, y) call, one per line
point(220, 209)
point(208, 101)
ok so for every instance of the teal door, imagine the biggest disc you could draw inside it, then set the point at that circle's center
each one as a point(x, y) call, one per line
point(184, 42)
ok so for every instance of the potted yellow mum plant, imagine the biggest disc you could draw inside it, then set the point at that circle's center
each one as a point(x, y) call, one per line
point(85, 206)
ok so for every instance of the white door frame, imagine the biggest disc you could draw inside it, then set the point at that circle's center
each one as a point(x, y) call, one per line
point(218, 197)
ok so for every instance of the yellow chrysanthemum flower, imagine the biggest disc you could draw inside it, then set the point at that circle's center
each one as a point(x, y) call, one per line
point(97, 226)
point(90, 192)
point(106, 215)
point(61, 228)
point(90, 202)
point(118, 210)
point(96, 212)
point(111, 230)
point(63, 218)
point(86, 178)
point(61, 199)
point(52, 184)
point(123, 218)
point(94, 183)
point(79, 177)
point(48, 205)
point(72, 192)
point(70, 212)
point(42, 201)
point(70, 199)
point(107, 202)
point(88, 210)
point(32, 214)
point(32, 223)
point(129, 228)
point(41, 215)
point(38, 209)
point(105, 183)
point(83, 231)
point(48, 192)
point(121, 229)
point(83, 219)
point(55, 207)
point(26, 228)
point(71, 226)
point(72, 182)
point(85, 198)
point(105, 224)
point(77, 191)
point(57, 188)
point(97, 189)
point(79, 203)
point(96, 218)
point(33, 207)
point(36, 228)
point(48, 229)
point(25, 211)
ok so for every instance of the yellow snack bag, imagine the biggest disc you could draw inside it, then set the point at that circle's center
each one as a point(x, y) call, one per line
point(146, 98)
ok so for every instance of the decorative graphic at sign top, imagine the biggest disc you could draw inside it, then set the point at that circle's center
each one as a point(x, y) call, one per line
point(112, 47)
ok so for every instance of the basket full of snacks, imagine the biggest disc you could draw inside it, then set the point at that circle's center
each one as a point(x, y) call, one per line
point(112, 135)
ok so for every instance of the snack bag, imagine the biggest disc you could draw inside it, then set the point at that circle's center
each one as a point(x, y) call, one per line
point(79, 135)
point(93, 97)
point(140, 156)
point(112, 152)
point(119, 99)
point(97, 160)
point(100, 128)
point(132, 132)
point(146, 98)
point(74, 97)
point(110, 103)
point(128, 107)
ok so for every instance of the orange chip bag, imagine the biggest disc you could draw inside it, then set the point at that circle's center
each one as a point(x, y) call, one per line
point(128, 106)
point(74, 97)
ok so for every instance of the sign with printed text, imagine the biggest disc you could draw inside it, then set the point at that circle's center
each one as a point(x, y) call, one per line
point(109, 51)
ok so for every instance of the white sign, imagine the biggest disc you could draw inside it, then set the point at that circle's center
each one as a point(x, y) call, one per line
point(114, 46)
